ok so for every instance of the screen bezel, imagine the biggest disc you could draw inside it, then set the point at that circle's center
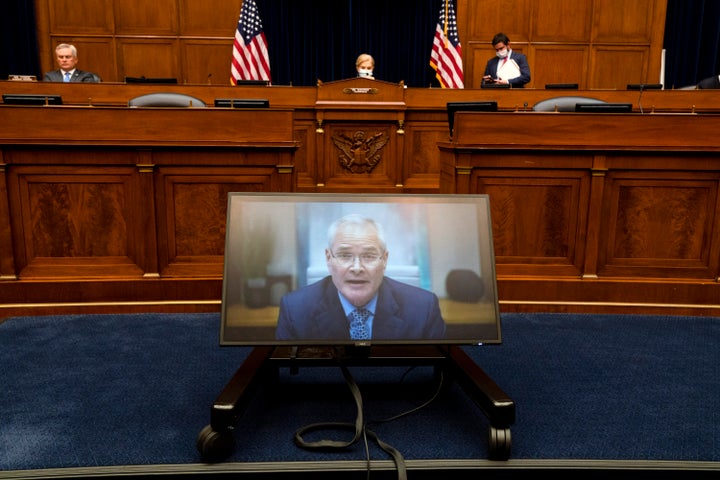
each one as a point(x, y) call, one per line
point(469, 323)
point(242, 103)
point(603, 107)
point(478, 106)
point(31, 99)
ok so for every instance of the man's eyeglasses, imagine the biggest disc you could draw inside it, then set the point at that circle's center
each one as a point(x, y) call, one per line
point(366, 259)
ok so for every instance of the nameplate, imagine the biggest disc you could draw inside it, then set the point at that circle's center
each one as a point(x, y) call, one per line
point(362, 91)
point(22, 78)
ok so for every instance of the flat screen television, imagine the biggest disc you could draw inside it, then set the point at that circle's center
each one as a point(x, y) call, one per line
point(31, 99)
point(435, 286)
point(454, 107)
point(604, 107)
point(242, 102)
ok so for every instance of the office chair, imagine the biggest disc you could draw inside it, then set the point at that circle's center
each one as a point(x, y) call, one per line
point(165, 99)
point(562, 104)
point(710, 82)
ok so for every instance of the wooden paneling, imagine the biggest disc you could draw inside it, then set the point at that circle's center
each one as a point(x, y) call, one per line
point(202, 19)
point(615, 67)
point(621, 22)
point(561, 21)
point(597, 211)
point(78, 17)
point(212, 55)
point(146, 19)
point(150, 58)
point(562, 65)
point(191, 29)
point(591, 212)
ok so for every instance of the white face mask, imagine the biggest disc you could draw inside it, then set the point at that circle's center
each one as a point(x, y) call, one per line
point(363, 72)
point(502, 53)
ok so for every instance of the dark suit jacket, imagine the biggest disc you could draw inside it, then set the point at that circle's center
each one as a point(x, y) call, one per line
point(77, 76)
point(403, 312)
point(520, 59)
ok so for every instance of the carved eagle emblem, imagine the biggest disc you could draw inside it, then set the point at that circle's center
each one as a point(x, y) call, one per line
point(360, 153)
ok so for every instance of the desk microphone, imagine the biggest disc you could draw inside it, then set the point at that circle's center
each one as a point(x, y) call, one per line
point(640, 98)
point(208, 78)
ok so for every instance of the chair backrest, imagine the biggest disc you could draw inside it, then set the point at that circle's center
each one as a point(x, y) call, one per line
point(710, 82)
point(166, 99)
point(563, 104)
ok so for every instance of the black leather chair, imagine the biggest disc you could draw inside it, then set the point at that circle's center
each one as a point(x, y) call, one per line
point(563, 104)
point(710, 82)
point(166, 99)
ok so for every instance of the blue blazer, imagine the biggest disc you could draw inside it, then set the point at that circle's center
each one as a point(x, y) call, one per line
point(77, 76)
point(403, 312)
point(520, 59)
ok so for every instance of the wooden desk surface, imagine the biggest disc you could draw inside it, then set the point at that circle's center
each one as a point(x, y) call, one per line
point(413, 98)
point(77, 125)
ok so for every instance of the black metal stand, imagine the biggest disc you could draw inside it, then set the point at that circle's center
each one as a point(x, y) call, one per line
point(216, 441)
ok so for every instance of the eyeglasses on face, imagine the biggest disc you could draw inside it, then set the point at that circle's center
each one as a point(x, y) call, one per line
point(344, 259)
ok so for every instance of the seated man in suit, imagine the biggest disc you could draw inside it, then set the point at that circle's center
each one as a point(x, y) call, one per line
point(356, 257)
point(507, 66)
point(67, 59)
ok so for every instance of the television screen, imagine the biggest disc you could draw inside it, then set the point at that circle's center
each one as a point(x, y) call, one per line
point(453, 107)
point(242, 102)
point(31, 99)
point(298, 264)
point(603, 107)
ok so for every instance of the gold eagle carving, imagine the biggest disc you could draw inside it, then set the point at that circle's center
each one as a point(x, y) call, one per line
point(360, 153)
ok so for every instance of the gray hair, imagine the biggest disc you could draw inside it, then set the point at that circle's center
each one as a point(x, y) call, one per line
point(67, 45)
point(355, 219)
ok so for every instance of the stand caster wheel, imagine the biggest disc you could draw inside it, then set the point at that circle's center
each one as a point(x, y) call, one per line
point(499, 442)
point(215, 446)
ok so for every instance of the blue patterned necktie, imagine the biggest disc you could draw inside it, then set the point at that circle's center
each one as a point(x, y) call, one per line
point(67, 77)
point(358, 324)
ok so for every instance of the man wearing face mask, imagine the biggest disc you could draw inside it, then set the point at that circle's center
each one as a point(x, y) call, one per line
point(506, 67)
point(365, 64)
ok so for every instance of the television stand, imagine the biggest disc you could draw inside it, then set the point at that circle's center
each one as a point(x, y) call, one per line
point(216, 441)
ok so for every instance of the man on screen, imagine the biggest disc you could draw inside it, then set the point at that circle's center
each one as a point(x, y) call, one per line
point(356, 301)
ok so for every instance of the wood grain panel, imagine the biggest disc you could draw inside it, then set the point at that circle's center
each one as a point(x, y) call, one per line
point(203, 18)
point(213, 55)
point(139, 17)
point(661, 222)
point(537, 217)
point(551, 21)
point(75, 221)
point(615, 67)
point(79, 17)
point(193, 207)
point(488, 17)
point(150, 58)
point(622, 22)
point(561, 65)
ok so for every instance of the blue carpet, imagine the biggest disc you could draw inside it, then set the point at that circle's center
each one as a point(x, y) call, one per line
point(105, 390)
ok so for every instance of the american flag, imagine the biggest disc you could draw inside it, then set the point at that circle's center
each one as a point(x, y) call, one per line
point(446, 55)
point(250, 53)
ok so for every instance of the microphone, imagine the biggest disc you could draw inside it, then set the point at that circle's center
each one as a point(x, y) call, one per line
point(208, 78)
point(640, 98)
